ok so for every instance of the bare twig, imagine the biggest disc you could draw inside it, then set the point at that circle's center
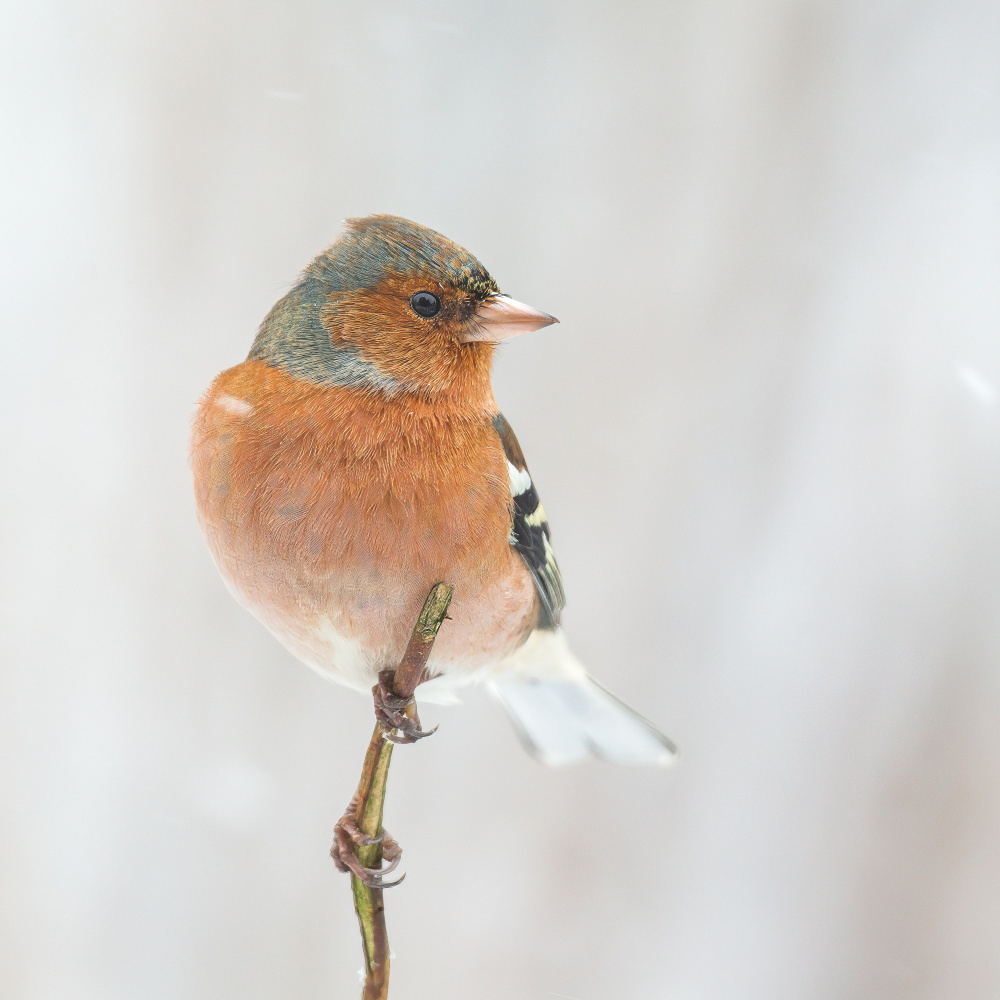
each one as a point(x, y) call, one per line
point(413, 667)
point(370, 796)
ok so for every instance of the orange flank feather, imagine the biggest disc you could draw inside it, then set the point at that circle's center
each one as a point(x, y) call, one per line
point(331, 512)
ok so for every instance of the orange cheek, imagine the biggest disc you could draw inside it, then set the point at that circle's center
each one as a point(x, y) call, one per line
point(400, 344)
point(422, 354)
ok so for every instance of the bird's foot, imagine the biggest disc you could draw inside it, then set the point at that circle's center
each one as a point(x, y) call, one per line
point(391, 712)
point(347, 835)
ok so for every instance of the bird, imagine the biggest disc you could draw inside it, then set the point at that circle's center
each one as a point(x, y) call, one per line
point(358, 456)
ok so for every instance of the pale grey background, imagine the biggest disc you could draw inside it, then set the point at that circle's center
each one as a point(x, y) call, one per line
point(766, 432)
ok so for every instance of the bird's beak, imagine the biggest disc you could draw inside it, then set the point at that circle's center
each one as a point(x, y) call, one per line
point(502, 317)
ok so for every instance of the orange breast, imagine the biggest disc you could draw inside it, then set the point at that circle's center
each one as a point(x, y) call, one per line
point(331, 513)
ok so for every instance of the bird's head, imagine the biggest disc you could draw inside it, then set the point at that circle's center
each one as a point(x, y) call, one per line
point(393, 307)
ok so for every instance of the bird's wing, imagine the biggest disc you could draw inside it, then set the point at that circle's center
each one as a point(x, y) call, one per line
point(529, 532)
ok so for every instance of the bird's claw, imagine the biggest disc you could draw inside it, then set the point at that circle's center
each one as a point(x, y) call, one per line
point(347, 834)
point(390, 710)
point(406, 735)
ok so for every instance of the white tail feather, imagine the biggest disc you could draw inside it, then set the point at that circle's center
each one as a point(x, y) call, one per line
point(564, 721)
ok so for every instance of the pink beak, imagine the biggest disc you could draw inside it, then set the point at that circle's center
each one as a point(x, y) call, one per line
point(503, 317)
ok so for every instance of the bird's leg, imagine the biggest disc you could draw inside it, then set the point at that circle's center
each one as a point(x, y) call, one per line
point(359, 830)
point(396, 713)
point(347, 834)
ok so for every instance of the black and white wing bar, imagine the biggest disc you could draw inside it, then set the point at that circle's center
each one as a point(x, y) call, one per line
point(530, 530)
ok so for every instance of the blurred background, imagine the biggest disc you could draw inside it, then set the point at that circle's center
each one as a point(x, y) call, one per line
point(766, 432)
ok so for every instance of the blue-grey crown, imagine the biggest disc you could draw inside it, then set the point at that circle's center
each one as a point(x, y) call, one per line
point(370, 250)
point(380, 246)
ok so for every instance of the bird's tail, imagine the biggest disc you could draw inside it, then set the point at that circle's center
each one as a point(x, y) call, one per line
point(564, 719)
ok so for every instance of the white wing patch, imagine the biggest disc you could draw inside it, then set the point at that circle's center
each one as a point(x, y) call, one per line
point(232, 405)
point(529, 529)
point(520, 481)
point(538, 519)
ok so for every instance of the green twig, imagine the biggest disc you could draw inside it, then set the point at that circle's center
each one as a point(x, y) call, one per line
point(370, 796)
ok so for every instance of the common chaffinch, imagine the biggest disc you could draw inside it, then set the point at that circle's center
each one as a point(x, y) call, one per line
point(357, 457)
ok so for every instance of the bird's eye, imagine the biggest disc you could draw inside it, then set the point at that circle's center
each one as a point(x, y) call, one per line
point(425, 303)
